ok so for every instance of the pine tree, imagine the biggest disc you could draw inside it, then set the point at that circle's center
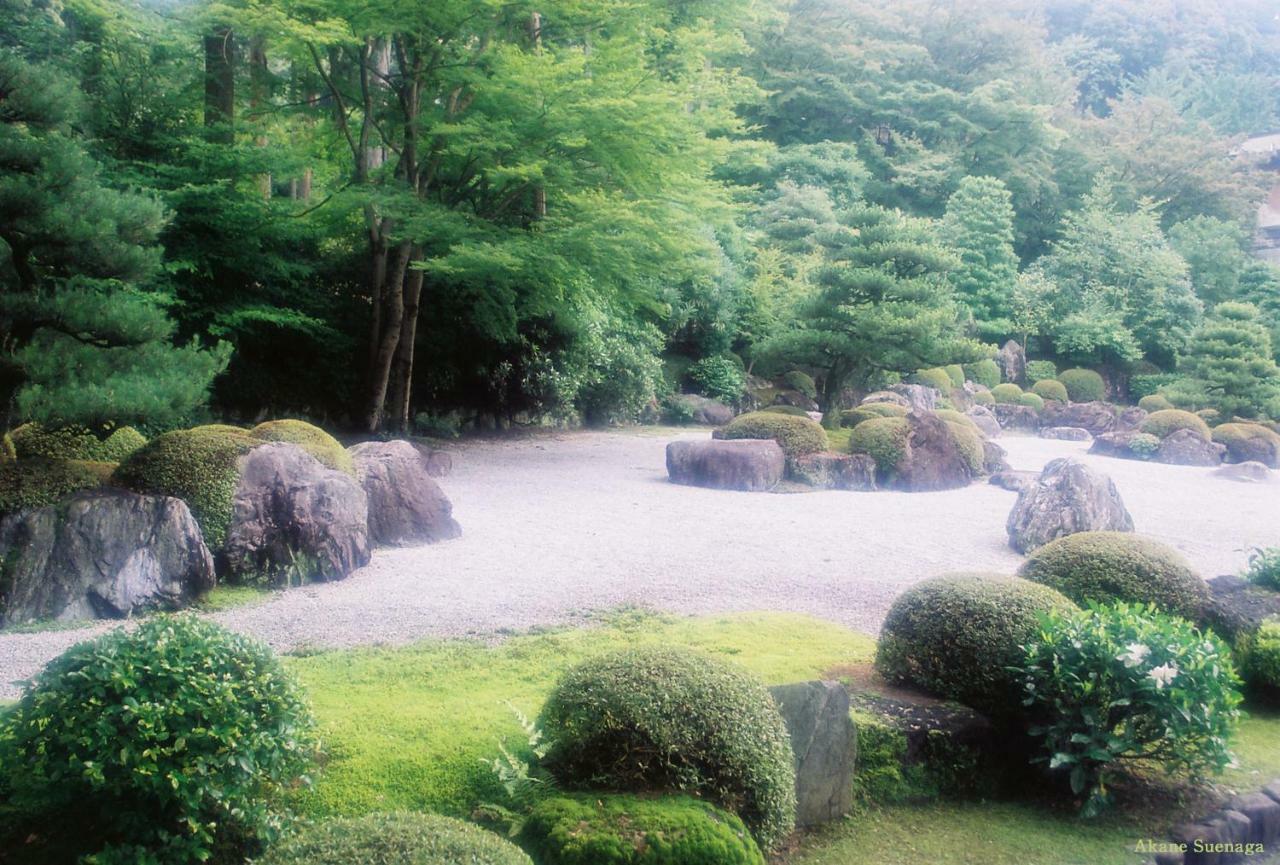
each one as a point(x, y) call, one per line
point(979, 228)
point(1231, 356)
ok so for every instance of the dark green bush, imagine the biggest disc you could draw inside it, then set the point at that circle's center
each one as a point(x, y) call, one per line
point(1149, 383)
point(883, 439)
point(957, 635)
point(1162, 423)
point(27, 484)
point(802, 382)
point(1048, 388)
point(164, 745)
point(674, 719)
point(1154, 402)
point(796, 436)
point(75, 443)
point(1007, 393)
point(1119, 566)
point(935, 378)
point(1259, 655)
point(315, 441)
point(1041, 370)
point(199, 467)
point(984, 372)
point(1083, 385)
point(718, 377)
point(395, 839)
point(1032, 400)
point(630, 830)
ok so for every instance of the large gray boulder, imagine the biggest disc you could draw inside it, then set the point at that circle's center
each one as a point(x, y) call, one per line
point(931, 459)
point(1096, 417)
point(406, 506)
point(918, 396)
point(1114, 444)
point(1066, 433)
point(1017, 417)
point(1012, 360)
point(102, 554)
point(832, 471)
point(825, 744)
point(1130, 419)
point(439, 463)
point(295, 520)
point(753, 465)
point(995, 459)
point(985, 419)
point(1187, 447)
point(886, 396)
point(1069, 497)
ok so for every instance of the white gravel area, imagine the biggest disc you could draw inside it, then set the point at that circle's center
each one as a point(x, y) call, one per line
point(558, 526)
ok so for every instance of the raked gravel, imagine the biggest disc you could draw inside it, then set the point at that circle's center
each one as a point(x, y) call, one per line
point(558, 526)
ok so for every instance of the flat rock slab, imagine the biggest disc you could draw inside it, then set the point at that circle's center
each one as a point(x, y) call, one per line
point(406, 506)
point(1251, 472)
point(1096, 417)
point(1066, 433)
point(824, 741)
point(752, 465)
point(1068, 497)
point(832, 471)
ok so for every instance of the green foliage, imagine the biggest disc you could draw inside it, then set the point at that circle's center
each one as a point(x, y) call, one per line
point(315, 441)
point(884, 440)
point(985, 372)
point(952, 416)
point(1154, 402)
point(1260, 658)
point(937, 378)
point(869, 411)
point(1083, 385)
point(955, 372)
point(671, 719)
point(1119, 566)
point(199, 467)
point(165, 745)
point(1041, 370)
point(1144, 445)
point(1264, 567)
point(1149, 384)
point(1048, 388)
point(968, 440)
point(802, 382)
point(1031, 400)
point(984, 397)
point(26, 484)
point(394, 839)
point(1249, 441)
point(797, 436)
point(1007, 393)
point(75, 443)
point(1162, 423)
point(631, 830)
point(979, 226)
point(1113, 684)
point(790, 410)
point(718, 377)
point(1233, 358)
point(956, 636)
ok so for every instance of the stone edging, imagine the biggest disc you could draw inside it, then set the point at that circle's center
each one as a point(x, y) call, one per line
point(1246, 830)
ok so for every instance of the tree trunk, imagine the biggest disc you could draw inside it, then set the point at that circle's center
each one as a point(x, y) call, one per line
point(220, 85)
point(401, 406)
point(389, 339)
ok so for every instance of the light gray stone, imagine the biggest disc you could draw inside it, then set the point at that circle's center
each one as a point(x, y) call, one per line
point(406, 506)
point(824, 742)
point(1066, 433)
point(918, 396)
point(1187, 447)
point(986, 420)
point(1068, 497)
point(753, 465)
point(1250, 472)
point(832, 471)
point(1012, 360)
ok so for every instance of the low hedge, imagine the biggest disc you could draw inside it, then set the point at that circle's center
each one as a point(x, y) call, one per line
point(957, 635)
point(616, 829)
point(315, 441)
point(797, 436)
point(1049, 388)
point(27, 484)
point(1155, 402)
point(394, 839)
point(1249, 441)
point(1032, 401)
point(1007, 393)
point(984, 372)
point(1119, 566)
point(1163, 423)
point(1083, 385)
point(658, 719)
point(75, 443)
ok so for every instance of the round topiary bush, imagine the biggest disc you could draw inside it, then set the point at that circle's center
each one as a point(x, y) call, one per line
point(1211, 416)
point(1049, 388)
point(201, 468)
point(883, 439)
point(1119, 566)
point(793, 411)
point(630, 830)
point(175, 739)
point(984, 372)
point(955, 372)
point(1154, 402)
point(1162, 423)
point(935, 378)
point(674, 719)
point(983, 397)
point(1041, 370)
point(75, 443)
point(1032, 401)
point(802, 382)
point(870, 411)
point(1249, 441)
point(957, 635)
point(797, 436)
point(1083, 385)
point(1007, 393)
point(394, 839)
point(315, 441)
point(27, 484)
point(950, 415)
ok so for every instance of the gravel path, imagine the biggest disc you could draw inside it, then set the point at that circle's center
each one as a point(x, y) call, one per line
point(556, 527)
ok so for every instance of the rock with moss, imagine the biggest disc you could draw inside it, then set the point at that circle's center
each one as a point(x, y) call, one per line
point(619, 829)
point(1096, 417)
point(920, 452)
point(1105, 567)
point(315, 441)
point(1016, 417)
point(1068, 498)
point(1130, 419)
point(1186, 447)
point(832, 471)
point(791, 410)
point(702, 410)
point(796, 436)
point(750, 465)
point(919, 397)
point(28, 484)
point(32, 441)
point(869, 411)
point(802, 382)
point(393, 839)
point(1154, 402)
point(985, 419)
point(1012, 360)
point(1162, 424)
point(825, 746)
point(406, 506)
point(1249, 442)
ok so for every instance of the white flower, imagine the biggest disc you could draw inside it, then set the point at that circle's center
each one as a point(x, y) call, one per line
point(1134, 654)
point(1163, 674)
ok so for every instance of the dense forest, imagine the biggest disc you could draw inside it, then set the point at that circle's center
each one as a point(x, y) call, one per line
point(389, 215)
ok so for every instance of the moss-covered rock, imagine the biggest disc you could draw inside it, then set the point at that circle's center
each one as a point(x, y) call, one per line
point(1163, 423)
point(952, 416)
point(618, 829)
point(955, 372)
point(1083, 385)
point(796, 436)
point(1249, 441)
point(957, 635)
point(315, 441)
point(1007, 393)
point(1048, 388)
point(793, 411)
point(1154, 402)
point(26, 484)
point(1119, 566)
point(32, 441)
point(394, 839)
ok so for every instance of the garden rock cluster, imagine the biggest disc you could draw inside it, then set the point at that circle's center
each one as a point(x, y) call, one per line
point(1068, 497)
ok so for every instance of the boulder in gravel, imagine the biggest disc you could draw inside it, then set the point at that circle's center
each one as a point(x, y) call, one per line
point(406, 506)
point(293, 519)
point(832, 471)
point(825, 744)
point(1113, 444)
point(1249, 472)
point(931, 459)
point(985, 419)
point(1066, 433)
point(1017, 417)
point(753, 465)
point(102, 554)
point(994, 458)
point(1130, 419)
point(439, 463)
point(1186, 447)
point(1096, 417)
point(1014, 480)
point(1012, 360)
point(886, 396)
point(1069, 497)
point(795, 399)
point(918, 396)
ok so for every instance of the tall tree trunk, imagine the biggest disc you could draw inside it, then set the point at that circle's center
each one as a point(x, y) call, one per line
point(401, 405)
point(220, 85)
point(392, 319)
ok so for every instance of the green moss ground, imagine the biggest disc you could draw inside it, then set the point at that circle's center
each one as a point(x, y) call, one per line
point(228, 597)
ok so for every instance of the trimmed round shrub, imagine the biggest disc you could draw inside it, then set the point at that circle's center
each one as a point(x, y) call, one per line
point(793, 411)
point(1083, 385)
point(935, 378)
point(802, 382)
point(630, 830)
point(957, 635)
point(797, 436)
point(1119, 566)
point(983, 397)
point(220, 428)
point(177, 739)
point(950, 415)
point(394, 839)
point(1041, 370)
point(1154, 402)
point(1049, 388)
point(315, 441)
point(75, 443)
point(955, 372)
point(984, 372)
point(1007, 393)
point(968, 440)
point(27, 484)
point(883, 439)
point(1162, 423)
point(1143, 445)
point(1249, 441)
point(1032, 400)
point(201, 468)
point(674, 719)
point(870, 411)
point(718, 377)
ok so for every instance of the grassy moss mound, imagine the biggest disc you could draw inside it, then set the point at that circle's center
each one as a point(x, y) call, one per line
point(883, 439)
point(1163, 423)
point(315, 441)
point(956, 636)
point(1119, 566)
point(1249, 441)
point(32, 441)
point(790, 410)
point(955, 372)
point(1032, 401)
point(870, 411)
point(27, 484)
point(950, 415)
point(675, 719)
point(630, 830)
point(936, 378)
point(1049, 388)
point(984, 372)
point(199, 467)
point(983, 397)
point(1083, 385)
point(394, 839)
point(1154, 402)
point(968, 440)
point(796, 436)
point(1007, 393)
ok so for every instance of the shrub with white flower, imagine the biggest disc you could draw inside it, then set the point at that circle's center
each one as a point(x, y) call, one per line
point(1113, 684)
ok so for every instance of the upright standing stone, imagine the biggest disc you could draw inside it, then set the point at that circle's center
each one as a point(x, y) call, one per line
point(1069, 497)
point(1012, 360)
point(405, 505)
point(825, 745)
